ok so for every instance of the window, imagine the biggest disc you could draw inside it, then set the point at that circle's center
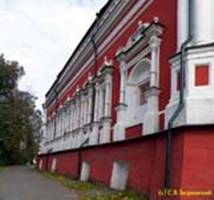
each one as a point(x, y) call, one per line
point(137, 86)
point(142, 93)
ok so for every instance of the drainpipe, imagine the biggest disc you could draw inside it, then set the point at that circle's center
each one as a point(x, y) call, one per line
point(95, 65)
point(93, 97)
point(47, 158)
point(80, 157)
point(180, 106)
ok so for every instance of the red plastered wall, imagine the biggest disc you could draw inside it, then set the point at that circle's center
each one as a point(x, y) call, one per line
point(67, 164)
point(168, 47)
point(198, 167)
point(145, 155)
point(191, 168)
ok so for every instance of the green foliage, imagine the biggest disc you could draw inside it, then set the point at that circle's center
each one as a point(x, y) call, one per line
point(17, 117)
point(89, 191)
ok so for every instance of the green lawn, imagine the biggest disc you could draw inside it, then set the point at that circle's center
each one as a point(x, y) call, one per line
point(91, 191)
point(2, 168)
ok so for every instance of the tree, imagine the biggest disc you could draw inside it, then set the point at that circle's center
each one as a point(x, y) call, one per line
point(20, 122)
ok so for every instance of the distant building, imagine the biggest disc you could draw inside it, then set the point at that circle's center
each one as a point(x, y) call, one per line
point(123, 94)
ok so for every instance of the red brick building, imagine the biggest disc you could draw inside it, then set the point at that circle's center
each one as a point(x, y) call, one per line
point(134, 104)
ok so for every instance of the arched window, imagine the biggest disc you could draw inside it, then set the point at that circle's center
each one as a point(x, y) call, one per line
point(137, 85)
point(140, 78)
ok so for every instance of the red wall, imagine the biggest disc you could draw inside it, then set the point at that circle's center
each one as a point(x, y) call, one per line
point(198, 165)
point(192, 161)
point(168, 47)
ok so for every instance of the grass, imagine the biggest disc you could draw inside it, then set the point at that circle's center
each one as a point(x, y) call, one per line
point(2, 168)
point(91, 191)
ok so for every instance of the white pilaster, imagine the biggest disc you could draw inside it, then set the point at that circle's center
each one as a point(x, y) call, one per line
point(71, 121)
point(202, 17)
point(93, 140)
point(90, 99)
point(97, 98)
point(75, 118)
point(108, 95)
point(86, 109)
point(151, 119)
point(155, 61)
point(101, 103)
point(119, 129)
point(82, 109)
point(105, 135)
point(123, 78)
point(182, 22)
point(78, 114)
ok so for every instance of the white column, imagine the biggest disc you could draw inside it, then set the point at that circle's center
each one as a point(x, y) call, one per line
point(60, 123)
point(106, 122)
point(119, 128)
point(86, 110)
point(74, 115)
point(202, 17)
point(182, 22)
point(151, 119)
point(108, 95)
point(101, 103)
point(155, 61)
point(96, 113)
point(123, 77)
point(78, 112)
point(51, 124)
point(71, 121)
point(69, 117)
point(82, 109)
point(93, 139)
point(63, 120)
point(81, 117)
point(90, 99)
point(56, 125)
point(48, 130)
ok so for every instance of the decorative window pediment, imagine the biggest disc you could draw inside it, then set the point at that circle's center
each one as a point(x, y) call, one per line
point(140, 39)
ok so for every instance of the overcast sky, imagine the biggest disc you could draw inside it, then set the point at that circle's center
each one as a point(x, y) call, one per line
point(41, 35)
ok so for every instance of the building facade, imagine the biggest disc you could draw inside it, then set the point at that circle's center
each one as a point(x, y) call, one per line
point(136, 99)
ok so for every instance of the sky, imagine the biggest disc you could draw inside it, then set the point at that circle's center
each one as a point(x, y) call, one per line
point(41, 35)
